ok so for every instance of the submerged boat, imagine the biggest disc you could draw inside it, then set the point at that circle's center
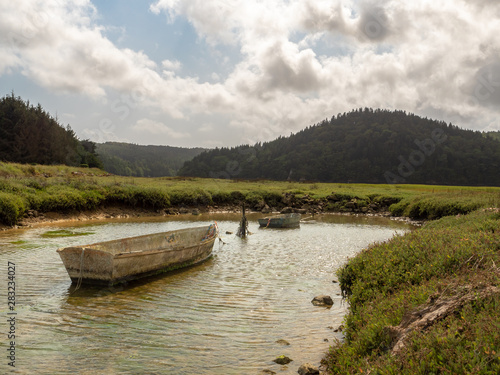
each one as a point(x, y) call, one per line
point(131, 258)
point(281, 221)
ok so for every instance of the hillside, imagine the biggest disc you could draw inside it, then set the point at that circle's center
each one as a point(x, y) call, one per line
point(28, 134)
point(127, 159)
point(363, 146)
point(494, 135)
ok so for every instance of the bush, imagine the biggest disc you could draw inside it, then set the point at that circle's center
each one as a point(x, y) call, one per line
point(150, 197)
point(190, 198)
point(433, 207)
point(253, 198)
point(222, 197)
point(12, 208)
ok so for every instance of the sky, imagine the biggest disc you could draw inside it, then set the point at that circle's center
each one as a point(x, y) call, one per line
point(219, 73)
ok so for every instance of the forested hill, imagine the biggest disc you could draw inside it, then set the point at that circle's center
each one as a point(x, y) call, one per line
point(127, 159)
point(28, 134)
point(365, 145)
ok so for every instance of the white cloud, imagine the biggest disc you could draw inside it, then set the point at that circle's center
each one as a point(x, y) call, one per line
point(171, 65)
point(157, 128)
point(300, 60)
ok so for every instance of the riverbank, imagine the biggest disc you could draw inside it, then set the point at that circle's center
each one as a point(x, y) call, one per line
point(33, 218)
point(426, 302)
point(28, 192)
point(447, 269)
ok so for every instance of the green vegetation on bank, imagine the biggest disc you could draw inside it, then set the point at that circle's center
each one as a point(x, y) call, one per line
point(452, 263)
point(25, 188)
point(427, 302)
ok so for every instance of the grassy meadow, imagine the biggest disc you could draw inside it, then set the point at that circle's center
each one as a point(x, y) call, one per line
point(68, 189)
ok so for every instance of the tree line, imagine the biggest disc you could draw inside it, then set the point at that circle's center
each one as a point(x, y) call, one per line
point(127, 159)
point(363, 146)
point(28, 134)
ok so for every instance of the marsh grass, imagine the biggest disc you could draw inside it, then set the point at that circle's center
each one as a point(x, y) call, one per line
point(66, 189)
point(64, 233)
point(384, 282)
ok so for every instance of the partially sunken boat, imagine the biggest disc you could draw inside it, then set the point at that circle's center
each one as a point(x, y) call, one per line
point(131, 258)
point(281, 221)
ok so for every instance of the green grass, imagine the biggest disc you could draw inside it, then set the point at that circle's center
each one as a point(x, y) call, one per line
point(64, 233)
point(386, 281)
point(459, 251)
point(67, 189)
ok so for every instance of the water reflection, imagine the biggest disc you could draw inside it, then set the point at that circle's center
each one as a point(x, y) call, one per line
point(223, 316)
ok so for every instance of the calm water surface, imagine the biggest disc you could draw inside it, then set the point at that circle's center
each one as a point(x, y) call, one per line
point(221, 317)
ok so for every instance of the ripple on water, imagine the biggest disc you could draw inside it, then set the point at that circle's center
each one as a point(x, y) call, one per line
point(224, 316)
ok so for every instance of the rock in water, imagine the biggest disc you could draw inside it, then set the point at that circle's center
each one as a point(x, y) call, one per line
point(283, 360)
point(282, 342)
point(322, 301)
point(308, 369)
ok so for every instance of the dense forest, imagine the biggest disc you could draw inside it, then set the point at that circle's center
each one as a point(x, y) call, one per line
point(494, 135)
point(363, 146)
point(28, 134)
point(127, 159)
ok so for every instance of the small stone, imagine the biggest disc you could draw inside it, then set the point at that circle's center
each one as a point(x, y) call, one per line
point(339, 329)
point(335, 281)
point(283, 360)
point(267, 372)
point(282, 342)
point(228, 232)
point(322, 301)
point(308, 369)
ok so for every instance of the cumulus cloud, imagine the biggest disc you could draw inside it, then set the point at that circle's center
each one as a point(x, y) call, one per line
point(171, 65)
point(300, 60)
point(214, 20)
point(158, 128)
point(58, 45)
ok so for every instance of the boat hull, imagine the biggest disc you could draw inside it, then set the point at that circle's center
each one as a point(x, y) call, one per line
point(281, 221)
point(118, 261)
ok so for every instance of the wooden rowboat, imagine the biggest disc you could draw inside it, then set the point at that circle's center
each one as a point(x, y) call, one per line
point(281, 221)
point(131, 258)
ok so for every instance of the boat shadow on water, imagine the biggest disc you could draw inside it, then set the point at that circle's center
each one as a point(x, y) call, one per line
point(97, 291)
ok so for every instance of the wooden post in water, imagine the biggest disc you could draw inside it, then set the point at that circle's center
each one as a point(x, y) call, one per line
point(243, 229)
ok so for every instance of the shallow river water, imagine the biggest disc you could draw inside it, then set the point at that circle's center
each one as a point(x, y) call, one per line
point(223, 316)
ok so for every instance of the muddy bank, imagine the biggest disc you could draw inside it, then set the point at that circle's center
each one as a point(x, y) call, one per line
point(33, 218)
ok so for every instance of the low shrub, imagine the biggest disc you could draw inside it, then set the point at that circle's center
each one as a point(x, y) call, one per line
point(12, 208)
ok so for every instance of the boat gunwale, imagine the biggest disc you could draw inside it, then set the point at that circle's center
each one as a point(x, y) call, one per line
point(92, 247)
point(163, 250)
